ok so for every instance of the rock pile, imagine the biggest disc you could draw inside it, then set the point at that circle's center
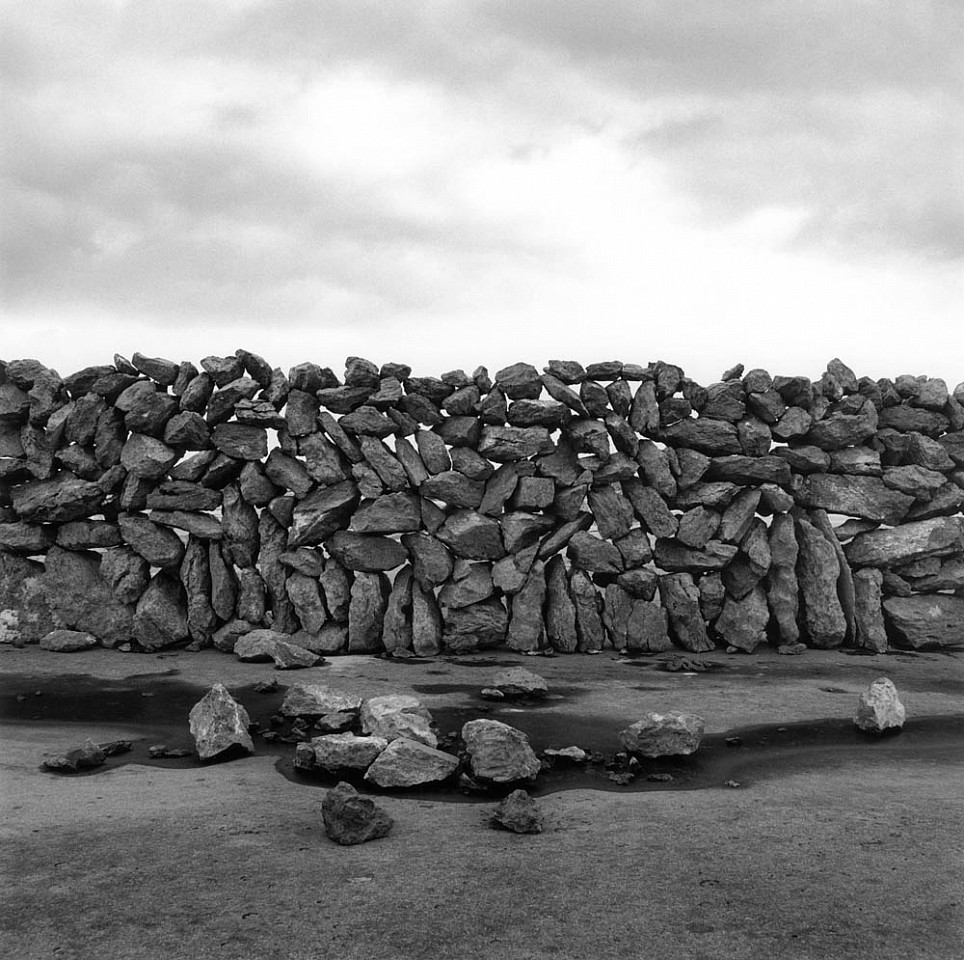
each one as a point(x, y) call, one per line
point(159, 503)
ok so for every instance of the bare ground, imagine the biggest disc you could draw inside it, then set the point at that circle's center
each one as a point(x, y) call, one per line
point(832, 847)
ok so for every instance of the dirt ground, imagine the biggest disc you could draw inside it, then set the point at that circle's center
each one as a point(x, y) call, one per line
point(832, 846)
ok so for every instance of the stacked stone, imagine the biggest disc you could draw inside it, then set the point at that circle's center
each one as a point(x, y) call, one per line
point(571, 509)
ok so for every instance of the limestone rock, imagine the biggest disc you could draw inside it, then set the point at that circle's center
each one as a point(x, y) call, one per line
point(219, 725)
point(527, 629)
point(743, 622)
point(856, 496)
point(508, 444)
point(366, 612)
point(80, 598)
point(161, 616)
point(498, 752)
point(479, 625)
point(315, 700)
point(431, 560)
point(783, 594)
point(560, 611)
point(681, 600)
point(590, 631)
point(365, 552)
point(879, 709)
point(427, 622)
point(590, 553)
point(663, 734)
point(677, 557)
point(472, 536)
point(158, 546)
point(319, 514)
point(518, 813)
point(711, 437)
point(410, 763)
point(926, 622)
point(937, 537)
point(817, 573)
point(85, 757)
point(397, 715)
point(67, 641)
point(519, 682)
point(350, 818)
point(57, 500)
point(338, 752)
point(260, 646)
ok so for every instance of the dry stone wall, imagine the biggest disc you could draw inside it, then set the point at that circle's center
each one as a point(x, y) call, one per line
point(155, 504)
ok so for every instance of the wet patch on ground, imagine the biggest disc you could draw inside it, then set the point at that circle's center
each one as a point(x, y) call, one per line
point(157, 707)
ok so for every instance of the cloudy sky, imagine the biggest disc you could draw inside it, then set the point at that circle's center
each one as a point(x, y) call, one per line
point(455, 182)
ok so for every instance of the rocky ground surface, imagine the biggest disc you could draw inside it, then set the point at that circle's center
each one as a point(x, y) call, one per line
point(788, 833)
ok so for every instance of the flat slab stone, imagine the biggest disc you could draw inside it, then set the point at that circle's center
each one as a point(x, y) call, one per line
point(519, 682)
point(318, 700)
point(67, 641)
point(409, 763)
point(926, 622)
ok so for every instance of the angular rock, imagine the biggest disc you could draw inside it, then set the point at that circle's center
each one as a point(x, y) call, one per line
point(588, 602)
point(427, 622)
point(817, 573)
point(219, 725)
point(697, 527)
point(681, 599)
point(782, 586)
point(508, 444)
point(397, 715)
point(335, 753)
point(560, 611)
point(879, 709)
point(527, 629)
point(472, 536)
point(410, 763)
point(85, 757)
point(316, 700)
point(480, 625)
point(677, 557)
point(711, 437)
point(321, 513)
point(650, 508)
point(365, 552)
point(366, 613)
point(937, 537)
point(635, 625)
point(58, 500)
point(147, 457)
point(499, 753)
point(870, 630)
point(201, 525)
point(518, 813)
point(749, 470)
point(67, 641)
point(519, 682)
point(160, 618)
point(865, 497)
point(926, 622)
point(669, 734)
point(471, 587)
point(80, 598)
point(590, 553)
point(350, 818)
point(743, 622)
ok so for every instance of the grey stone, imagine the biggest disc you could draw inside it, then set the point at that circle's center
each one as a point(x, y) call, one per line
point(871, 632)
point(350, 818)
point(519, 682)
point(681, 599)
point(366, 613)
point(926, 622)
point(743, 622)
point(817, 572)
point(365, 552)
point(668, 734)
point(410, 763)
point(480, 625)
point(160, 618)
point(499, 753)
point(67, 641)
point(518, 813)
point(321, 513)
point(397, 715)
point(219, 724)
point(879, 709)
point(936, 537)
point(339, 752)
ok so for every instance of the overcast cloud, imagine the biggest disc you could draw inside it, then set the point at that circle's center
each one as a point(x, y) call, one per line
point(464, 182)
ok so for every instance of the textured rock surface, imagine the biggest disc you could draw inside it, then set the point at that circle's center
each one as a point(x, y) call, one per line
point(397, 715)
point(498, 752)
point(315, 700)
point(219, 724)
point(879, 709)
point(519, 682)
point(338, 752)
point(350, 818)
point(518, 813)
point(926, 622)
point(663, 734)
point(410, 763)
point(67, 641)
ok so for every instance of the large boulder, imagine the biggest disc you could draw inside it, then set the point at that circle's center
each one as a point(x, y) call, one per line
point(499, 753)
point(663, 734)
point(926, 622)
point(409, 763)
point(351, 818)
point(81, 599)
point(260, 646)
point(910, 541)
point(337, 752)
point(219, 725)
point(879, 709)
point(397, 715)
point(317, 700)
point(160, 619)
